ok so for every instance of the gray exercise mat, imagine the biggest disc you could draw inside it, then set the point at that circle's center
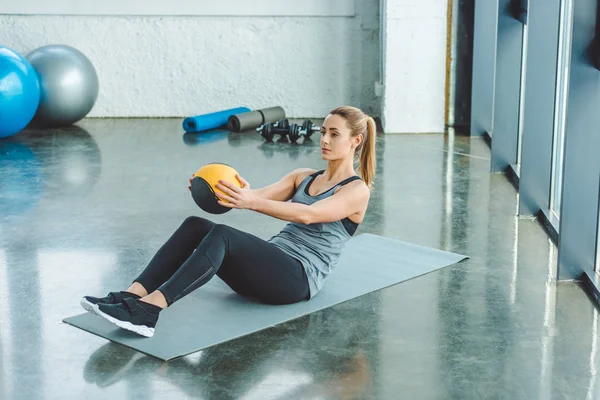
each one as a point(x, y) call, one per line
point(214, 314)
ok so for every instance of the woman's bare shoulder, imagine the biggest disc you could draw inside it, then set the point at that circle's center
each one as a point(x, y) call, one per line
point(301, 173)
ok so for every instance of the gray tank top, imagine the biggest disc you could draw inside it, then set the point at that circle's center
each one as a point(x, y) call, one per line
point(317, 246)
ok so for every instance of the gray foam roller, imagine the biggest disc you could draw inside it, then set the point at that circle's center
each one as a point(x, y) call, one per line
point(272, 114)
point(244, 121)
point(254, 119)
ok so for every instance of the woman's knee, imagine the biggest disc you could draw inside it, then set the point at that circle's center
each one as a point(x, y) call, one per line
point(195, 222)
point(222, 230)
point(223, 233)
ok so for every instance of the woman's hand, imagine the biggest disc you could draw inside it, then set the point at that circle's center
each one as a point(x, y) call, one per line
point(236, 197)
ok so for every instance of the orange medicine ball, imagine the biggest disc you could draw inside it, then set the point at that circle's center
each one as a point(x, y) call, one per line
point(204, 184)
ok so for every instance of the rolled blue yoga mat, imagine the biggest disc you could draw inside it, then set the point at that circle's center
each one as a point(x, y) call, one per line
point(214, 120)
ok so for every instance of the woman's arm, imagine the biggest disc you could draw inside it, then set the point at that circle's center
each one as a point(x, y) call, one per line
point(284, 189)
point(349, 200)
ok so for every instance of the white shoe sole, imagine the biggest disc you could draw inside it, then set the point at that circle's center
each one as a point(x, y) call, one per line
point(140, 330)
point(87, 306)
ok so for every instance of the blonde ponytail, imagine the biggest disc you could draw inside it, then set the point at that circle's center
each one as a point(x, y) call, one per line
point(367, 153)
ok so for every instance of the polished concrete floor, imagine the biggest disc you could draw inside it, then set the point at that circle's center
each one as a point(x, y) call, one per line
point(83, 209)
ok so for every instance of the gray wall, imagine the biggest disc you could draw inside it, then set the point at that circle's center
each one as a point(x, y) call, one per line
point(484, 65)
point(538, 110)
point(507, 93)
point(579, 206)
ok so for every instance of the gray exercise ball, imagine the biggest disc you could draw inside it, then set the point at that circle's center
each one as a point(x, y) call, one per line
point(68, 85)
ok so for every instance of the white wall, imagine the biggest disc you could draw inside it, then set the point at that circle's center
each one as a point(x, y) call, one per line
point(228, 8)
point(415, 65)
point(159, 66)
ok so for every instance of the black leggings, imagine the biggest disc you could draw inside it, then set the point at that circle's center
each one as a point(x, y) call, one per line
point(200, 249)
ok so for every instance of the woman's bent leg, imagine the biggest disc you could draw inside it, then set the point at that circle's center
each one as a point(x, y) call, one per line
point(174, 252)
point(249, 265)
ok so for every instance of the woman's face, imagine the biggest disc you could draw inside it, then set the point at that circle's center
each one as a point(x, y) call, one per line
point(336, 139)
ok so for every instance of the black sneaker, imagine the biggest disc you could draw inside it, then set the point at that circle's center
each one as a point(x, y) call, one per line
point(88, 302)
point(134, 315)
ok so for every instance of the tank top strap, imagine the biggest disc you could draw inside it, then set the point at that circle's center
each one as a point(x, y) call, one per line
point(308, 180)
point(347, 180)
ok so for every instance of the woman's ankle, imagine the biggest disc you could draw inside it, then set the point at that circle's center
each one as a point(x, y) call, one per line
point(156, 298)
point(137, 288)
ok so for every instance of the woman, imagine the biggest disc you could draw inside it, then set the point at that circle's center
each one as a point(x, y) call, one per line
point(325, 210)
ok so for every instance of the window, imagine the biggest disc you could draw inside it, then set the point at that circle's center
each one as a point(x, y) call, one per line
point(522, 97)
point(560, 110)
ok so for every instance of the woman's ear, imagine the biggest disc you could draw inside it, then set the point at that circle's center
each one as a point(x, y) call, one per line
point(358, 139)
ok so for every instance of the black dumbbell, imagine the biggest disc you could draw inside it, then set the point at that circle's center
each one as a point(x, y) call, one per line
point(268, 130)
point(306, 129)
point(294, 132)
point(283, 127)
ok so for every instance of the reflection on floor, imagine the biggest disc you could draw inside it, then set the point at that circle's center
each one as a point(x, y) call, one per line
point(84, 208)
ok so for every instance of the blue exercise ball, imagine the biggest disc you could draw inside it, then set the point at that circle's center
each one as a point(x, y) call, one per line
point(19, 92)
point(68, 84)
